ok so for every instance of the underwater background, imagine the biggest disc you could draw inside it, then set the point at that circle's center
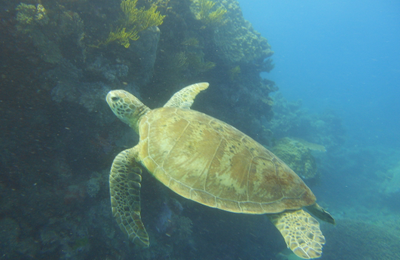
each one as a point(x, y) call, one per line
point(316, 82)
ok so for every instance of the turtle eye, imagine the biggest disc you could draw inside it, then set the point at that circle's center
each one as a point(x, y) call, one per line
point(115, 99)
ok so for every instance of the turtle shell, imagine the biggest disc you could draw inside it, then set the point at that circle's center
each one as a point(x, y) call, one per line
point(206, 160)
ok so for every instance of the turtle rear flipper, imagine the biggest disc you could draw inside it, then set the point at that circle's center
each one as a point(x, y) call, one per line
point(321, 213)
point(301, 233)
point(125, 186)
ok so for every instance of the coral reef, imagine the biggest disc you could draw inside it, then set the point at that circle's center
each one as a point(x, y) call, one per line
point(290, 119)
point(57, 145)
point(297, 156)
point(59, 137)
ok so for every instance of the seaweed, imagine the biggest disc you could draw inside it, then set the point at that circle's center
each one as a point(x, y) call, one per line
point(133, 22)
point(208, 17)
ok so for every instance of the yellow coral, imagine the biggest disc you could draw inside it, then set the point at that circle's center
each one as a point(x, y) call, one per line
point(134, 21)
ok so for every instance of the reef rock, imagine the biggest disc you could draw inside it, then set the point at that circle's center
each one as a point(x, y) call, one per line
point(358, 240)
point(13, 244)
point(297, 156)
point(145, 50)
point(391, 184)
point(51, 34)
point(234, 37)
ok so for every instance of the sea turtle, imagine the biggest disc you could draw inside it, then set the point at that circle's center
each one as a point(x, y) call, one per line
point(206, 160)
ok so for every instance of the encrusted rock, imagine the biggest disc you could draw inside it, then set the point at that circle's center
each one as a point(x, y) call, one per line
point(297, 156)
point(235, 37)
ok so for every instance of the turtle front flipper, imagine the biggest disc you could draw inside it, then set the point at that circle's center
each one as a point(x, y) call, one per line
point(301, 233)
point(185, 97)
point(125, 185)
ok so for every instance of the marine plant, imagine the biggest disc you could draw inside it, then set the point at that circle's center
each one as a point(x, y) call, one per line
point(191, 42)
point(209, 17)
point(179, 60)
point(234, 72)
point(25, 13)
point(29, 15)
point(196, 61)
point(133, 22)
point(121, 36)
point(161, 4)
point(80, 243)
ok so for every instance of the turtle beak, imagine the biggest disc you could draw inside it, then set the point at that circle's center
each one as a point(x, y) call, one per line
point(113, 98)
point(116, 101)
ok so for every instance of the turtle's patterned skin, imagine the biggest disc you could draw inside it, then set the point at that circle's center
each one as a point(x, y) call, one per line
point(206, 160)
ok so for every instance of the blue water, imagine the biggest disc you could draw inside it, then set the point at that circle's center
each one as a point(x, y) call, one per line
point(341, 55)
point(344, 56)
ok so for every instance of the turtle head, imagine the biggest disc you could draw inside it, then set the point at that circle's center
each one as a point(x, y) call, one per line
point(126, 107)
